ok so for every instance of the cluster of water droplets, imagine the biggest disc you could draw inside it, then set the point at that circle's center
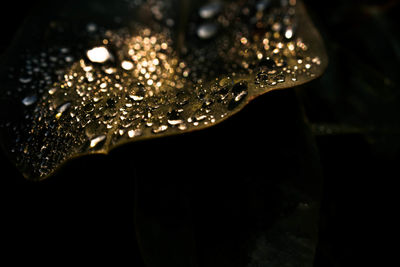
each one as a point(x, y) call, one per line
point(136, 85)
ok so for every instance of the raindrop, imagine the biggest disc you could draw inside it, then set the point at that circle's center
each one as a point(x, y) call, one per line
point(207, 30)
point(210, 10)
point(29, 100)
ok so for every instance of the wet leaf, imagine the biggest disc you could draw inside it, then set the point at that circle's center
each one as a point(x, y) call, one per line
point(86, 77)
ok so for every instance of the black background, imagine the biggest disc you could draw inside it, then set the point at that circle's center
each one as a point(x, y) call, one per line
point(87, 208)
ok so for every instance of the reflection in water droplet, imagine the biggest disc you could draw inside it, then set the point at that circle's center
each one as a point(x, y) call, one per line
point(210, 10)
point(207, 30)
point(95, 141)
point(29, 100)
point(98, 54)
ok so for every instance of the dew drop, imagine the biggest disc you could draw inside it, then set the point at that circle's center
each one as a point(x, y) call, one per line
point(207, 30)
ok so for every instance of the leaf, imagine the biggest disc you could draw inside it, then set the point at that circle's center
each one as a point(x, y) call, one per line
point(86, 77)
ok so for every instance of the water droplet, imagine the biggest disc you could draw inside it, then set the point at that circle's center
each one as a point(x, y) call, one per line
point(280, 78)
point(91, 27)
point(210, 10)
point(263, 5)
point(200, 117)
point(207, 30)
point(68, 59)
point(175, 122)
point(29, 100)
point(25, 79)
point(61, 109)
point(289, 33)
point(160, 129)
point(97, 140)
point(127, 65)
point(239, 91)
point(182, 97)
point(182, 127)
point(135, 133)
point(110, 103)
point(267, 64)
point(139, 92)
point(98, 54)
point(170, 22)
point(174, 118)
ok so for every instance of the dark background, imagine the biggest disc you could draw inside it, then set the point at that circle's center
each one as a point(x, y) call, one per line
point(353, 111)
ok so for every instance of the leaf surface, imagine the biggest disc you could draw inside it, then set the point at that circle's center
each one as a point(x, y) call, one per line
point(86, 77)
